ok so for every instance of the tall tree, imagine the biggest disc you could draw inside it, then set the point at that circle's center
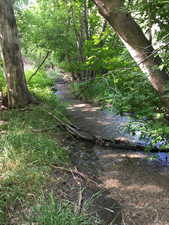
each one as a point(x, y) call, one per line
point(18, 94)
point(138, 45)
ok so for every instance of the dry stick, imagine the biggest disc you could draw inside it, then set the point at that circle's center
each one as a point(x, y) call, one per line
point(79, 206)
point(59, 120)
point(40, 65)
point(76, 172)
point(80, 200)
point(73, 130)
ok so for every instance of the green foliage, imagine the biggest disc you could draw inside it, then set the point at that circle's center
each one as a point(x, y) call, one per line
point(47, 28)
point(101, 56)
point(154, 132)
point(127, 91)
point(153, 16)
point(40, 80)
point(2, 80)
point(108, 73)
point(124, 87)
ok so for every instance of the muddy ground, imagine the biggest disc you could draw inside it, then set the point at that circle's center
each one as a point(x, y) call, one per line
point(119, 187)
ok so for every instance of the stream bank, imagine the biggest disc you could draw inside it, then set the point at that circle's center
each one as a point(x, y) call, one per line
point(137, 188)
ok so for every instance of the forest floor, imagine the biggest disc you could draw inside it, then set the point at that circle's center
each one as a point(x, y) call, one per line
point(125, 188)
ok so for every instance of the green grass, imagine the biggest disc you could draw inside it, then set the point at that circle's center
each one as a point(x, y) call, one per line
point(26, 156)
point(53, 212)
point(26, 152)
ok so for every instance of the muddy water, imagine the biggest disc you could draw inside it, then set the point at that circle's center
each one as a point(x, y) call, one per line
point(102, 123)
point(138, 184)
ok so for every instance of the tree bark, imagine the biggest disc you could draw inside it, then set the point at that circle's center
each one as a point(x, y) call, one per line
point(135, 41)
point(18, 94)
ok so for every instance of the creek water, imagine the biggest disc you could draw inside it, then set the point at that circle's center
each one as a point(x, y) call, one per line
point(137, 183)
point(103, 123)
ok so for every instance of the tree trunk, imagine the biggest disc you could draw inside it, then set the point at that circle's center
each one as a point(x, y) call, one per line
point(86, 22)
point(18, 94)
point(135, 41)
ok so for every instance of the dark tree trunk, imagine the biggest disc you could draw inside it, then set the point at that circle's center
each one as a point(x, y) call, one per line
point(135, 41)
point(18, 94)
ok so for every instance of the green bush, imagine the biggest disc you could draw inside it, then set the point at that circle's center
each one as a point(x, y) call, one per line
point(40, 80)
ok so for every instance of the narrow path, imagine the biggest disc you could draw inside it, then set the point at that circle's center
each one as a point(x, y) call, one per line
point(140, 187)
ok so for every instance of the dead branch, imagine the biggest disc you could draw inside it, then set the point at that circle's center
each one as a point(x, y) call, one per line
point(115, 143)
point(72, 129)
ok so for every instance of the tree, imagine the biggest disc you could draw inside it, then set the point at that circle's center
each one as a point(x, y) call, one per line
point(138, 45)
point(18, 94)
point(67, 33)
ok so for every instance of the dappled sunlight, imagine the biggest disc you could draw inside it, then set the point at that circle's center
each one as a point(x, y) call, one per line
point(3, 122)
point(111, 183)
point(123, 155)
point(78, 105)
point(93, 109)
point(83, 107)
point(147, 188)
point(104, 123)
point(141, 190)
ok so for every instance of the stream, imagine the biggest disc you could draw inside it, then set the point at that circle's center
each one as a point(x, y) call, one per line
point(135, 185)
point(102, 123)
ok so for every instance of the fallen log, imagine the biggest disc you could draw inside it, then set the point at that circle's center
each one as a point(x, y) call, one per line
point(118, 143)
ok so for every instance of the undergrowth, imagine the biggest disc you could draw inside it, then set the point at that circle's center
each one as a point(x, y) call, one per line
point(124, 92)
point(28, 148)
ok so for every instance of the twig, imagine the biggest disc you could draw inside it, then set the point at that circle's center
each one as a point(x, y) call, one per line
point(79, 207)
point(75, 171)
point(40, 65)
point(80, 200)
point(153, 53)
point(73, 130)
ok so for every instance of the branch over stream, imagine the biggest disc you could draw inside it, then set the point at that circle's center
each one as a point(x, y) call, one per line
point(116, 143)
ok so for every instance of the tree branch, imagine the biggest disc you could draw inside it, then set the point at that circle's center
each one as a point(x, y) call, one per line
point(40, 65)
point(153, 53)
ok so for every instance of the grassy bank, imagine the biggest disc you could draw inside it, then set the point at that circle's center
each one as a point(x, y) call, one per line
point(28, 148)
